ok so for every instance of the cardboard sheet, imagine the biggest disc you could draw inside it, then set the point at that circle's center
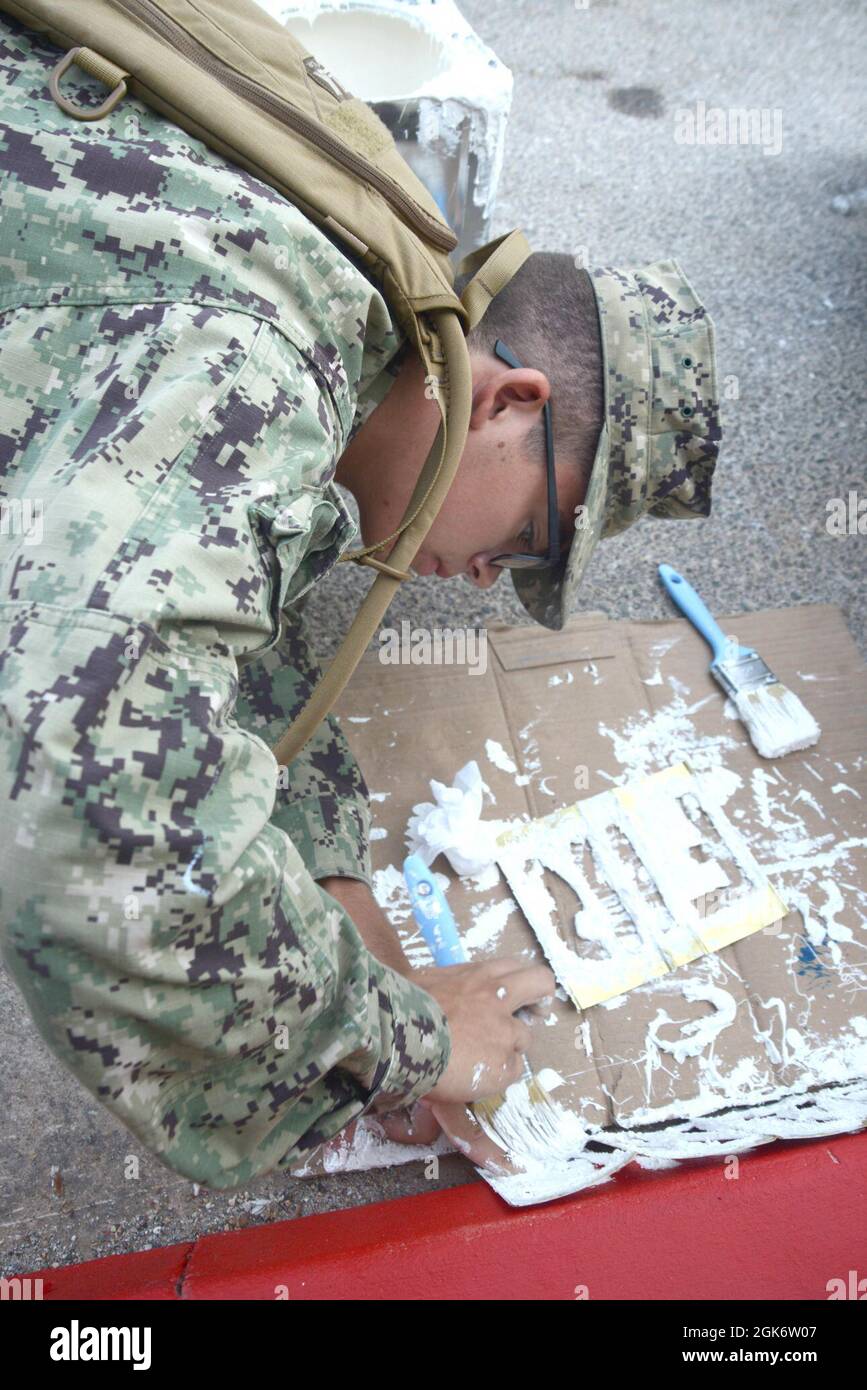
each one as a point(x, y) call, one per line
point(782, 1013)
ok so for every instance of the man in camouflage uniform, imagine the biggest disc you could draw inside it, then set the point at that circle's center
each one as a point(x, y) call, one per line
point(184, 358)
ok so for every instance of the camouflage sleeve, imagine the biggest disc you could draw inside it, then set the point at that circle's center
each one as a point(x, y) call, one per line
point(171, 944)
point(322, 798)
point(155, 908)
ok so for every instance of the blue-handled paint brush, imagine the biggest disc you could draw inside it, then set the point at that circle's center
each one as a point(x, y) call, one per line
point(517, 1116)
point(438, 927)
point(775, 719)
point(432, 913)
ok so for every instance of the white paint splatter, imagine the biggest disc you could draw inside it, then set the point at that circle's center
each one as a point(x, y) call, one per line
point(806, 796)
point(489, 922)
point(699, 1033)
point(499, 757)
point(839, 787)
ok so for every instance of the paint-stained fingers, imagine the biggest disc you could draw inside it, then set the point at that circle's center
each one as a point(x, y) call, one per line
point(338, 1143)
point(493, 1081)
point(468, 1137)
point(416, 1125)
point(525, 986)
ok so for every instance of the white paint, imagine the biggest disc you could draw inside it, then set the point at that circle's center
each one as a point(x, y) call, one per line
point(378, 832)
point(187, 876)
point(792, 1086)
point(645, 743)
point(762, 782)
point(804, 1087)
point(497, 754)
point(657, 652)
point(839, 787)
point(632, 937)
point(806, 796)
point(489, 923)
point(776, 720)
point(698, 1033)
point(390, 891)
point(370, 1148)
point(834, 904)
point(424, 53)
point(488, 878)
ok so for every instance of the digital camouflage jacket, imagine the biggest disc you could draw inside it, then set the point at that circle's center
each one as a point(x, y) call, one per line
point(183, 357)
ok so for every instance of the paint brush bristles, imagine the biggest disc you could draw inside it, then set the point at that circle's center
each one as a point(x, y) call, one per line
point(775, 719)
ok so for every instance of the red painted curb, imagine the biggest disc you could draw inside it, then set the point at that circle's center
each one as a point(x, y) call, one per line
point(791, 1221)
point(144, 1274)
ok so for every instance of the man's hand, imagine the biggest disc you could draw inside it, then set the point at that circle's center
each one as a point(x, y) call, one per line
point(479, 1001)
point(487, 1042)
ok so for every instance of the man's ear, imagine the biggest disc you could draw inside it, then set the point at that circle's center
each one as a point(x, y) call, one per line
point(519, 388)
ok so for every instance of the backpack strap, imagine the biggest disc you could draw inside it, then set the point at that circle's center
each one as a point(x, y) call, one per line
point(454, 399)
point(494, 264)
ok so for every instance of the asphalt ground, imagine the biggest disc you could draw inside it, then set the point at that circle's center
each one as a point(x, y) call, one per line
point(774, 243)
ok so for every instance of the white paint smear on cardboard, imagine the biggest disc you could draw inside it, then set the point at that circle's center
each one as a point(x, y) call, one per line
point(733, 1107)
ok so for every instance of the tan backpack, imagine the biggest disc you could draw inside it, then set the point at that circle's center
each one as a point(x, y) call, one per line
point(233, 77)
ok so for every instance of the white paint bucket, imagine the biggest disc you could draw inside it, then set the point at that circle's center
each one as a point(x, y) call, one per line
point(443, 93)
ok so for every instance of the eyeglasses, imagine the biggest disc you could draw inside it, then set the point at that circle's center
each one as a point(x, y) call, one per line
point(524, 560)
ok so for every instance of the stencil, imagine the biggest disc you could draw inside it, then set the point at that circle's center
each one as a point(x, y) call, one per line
point(661, 875)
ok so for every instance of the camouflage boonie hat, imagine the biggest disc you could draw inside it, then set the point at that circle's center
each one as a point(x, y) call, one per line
point(658, 445)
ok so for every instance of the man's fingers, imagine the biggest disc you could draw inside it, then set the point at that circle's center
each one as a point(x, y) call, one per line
point(526, 986)
point(340, 1141)
point(468, 1137)
point(417, 1125)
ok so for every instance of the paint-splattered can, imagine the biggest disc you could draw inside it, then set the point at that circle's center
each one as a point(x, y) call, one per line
point(444, 95)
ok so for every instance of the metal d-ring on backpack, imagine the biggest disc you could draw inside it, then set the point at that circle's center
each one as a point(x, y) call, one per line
point(234, 78)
